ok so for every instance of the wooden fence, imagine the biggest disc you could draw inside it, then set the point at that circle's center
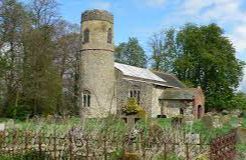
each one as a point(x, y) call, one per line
point(41, 146)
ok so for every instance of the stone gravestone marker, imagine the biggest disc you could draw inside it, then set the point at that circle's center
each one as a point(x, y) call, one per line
point(208, 121)
point(241, 135)
point(216, 122)
point(2, 127)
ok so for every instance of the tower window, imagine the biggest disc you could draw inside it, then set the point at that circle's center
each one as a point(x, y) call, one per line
point(86, 99)
point(86, 36)
point(109, 35)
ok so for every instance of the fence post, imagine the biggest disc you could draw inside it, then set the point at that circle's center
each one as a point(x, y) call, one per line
point(70, 146)
point(39, 145)
point(2, 135)
point(105, 147)
point(55, 149)
point(187, 151)
point(87, 147)
point(165, 151)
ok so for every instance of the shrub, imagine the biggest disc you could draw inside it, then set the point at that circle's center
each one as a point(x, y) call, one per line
point(132, 107)
point(20, 112)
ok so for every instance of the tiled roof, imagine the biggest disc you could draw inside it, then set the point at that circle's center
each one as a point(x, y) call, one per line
point(171, 79)
point(179, 94)
point(137, 72)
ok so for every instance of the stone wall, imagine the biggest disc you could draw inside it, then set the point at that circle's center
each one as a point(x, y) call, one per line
point(156, 104)
point(123, 88)
point(172, 107)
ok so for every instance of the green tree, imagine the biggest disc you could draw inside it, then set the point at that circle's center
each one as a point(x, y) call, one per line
point(163, 48)
point(206, 58)
point(131, 53)
point(13, 21)
point(41, 79)
point(238, 101)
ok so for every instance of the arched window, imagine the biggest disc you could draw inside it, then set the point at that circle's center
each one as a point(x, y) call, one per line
point(86, 98)
point(86, 36)
point(109, 35)
point(135, 93)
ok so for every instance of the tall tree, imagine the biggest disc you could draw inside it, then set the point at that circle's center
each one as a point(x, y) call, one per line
point(163, 48)
point(41, 80)
point(43, 12)
point(206, 58)
point(131, 53)
point(68, 62)
point(13, 20)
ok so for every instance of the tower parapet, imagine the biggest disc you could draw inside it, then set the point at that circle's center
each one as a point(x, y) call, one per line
point(97, 15)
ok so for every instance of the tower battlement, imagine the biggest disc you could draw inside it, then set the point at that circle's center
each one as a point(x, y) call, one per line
point(97, 15)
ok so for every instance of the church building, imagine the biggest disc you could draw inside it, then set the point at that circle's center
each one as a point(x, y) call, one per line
point(106, 85)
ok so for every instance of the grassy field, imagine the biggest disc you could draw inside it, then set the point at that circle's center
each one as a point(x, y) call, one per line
point(61, 126)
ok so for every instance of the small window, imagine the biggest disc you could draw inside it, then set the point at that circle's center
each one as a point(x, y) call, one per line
point(109, 35)
point(86, 99)
point(135, 94)
point(86, 36)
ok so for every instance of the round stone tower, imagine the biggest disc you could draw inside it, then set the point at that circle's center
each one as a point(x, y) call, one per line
point(97, 64)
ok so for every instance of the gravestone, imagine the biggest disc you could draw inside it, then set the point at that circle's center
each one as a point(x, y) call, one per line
point(2, 127)
point(241, 135)
point(207, 120)
point(211, 121)
point(10, 124)
point(216, 122)
point(188, 113)
point(225, 119)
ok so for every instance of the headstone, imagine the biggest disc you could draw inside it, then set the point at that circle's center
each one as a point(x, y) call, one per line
point(192, 138)
point(10, 124)
point(188, 113)
point(225, 119)
point(241, 135)
point(216, 122)
point(236, 112)
point(208, 121)
point(2, 127)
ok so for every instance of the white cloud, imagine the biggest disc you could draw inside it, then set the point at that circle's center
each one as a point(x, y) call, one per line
point(101, 5)
point(155, 3)
point(239, 38)
point(243, 83)
point(227, 13)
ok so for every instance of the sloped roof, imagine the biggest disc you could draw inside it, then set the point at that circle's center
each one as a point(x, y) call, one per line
point(179, 94)
point(171, 79)
point(137, 72)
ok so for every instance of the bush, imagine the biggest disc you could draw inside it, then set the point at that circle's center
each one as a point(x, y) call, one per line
point(20, 112)
point(132, 107)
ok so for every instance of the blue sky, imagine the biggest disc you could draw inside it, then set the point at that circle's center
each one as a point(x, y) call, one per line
point(141, 18)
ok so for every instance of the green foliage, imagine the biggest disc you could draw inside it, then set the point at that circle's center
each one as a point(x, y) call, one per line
point(32, 155)
point(163, 47)
point(132, 107)
point(117, 154)
point(131, 53)
point(238, 101)
point(42, 84)
point(20, 112)
point(206, 58)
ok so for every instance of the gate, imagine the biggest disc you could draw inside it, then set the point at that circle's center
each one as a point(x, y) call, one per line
point(224, 147)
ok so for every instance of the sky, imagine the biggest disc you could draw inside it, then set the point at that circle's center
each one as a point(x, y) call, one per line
point(141, 18)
